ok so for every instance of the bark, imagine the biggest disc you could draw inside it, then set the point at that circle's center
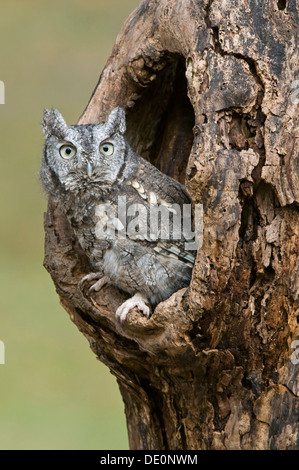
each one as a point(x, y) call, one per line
point(209, 88)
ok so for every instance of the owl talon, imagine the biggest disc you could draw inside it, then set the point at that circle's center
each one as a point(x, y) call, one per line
point(90, 277)
point(99, 284)
point(136, 301)
point(101, 281)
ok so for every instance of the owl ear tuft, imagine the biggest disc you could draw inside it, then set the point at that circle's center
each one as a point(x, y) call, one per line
point(53, 123)
point(117, 120)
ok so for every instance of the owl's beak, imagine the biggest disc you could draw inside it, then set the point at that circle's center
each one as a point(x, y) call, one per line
point(89, 169)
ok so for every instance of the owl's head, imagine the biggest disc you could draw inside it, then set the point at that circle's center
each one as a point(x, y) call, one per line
point(78, 156)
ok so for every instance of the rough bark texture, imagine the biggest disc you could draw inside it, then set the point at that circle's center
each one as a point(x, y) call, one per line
point(208, 87)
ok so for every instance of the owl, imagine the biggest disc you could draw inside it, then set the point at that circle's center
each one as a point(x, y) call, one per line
point(133, 222)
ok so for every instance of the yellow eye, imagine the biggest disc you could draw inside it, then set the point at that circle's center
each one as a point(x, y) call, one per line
point(107, 149)
point(67, 151)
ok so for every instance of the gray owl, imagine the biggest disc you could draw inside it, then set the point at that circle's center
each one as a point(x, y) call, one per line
point(126, 214)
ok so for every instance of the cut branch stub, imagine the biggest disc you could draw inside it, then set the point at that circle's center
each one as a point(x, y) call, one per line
point(210, 95)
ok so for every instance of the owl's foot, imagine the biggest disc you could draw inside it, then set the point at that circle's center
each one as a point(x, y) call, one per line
point(138, 300)
point(101, 281)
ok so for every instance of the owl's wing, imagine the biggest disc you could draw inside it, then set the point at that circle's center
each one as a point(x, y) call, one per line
point(176, 251)
point(171, 232)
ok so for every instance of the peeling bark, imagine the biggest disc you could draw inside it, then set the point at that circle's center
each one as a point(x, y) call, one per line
point(209, 88)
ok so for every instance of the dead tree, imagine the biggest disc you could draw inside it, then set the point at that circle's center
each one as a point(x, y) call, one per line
point(210, 91)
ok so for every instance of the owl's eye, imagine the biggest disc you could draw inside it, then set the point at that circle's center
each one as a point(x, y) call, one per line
point(67, 151)
point(107, 149)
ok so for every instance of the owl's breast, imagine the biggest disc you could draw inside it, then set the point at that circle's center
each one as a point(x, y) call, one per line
point(137, 268)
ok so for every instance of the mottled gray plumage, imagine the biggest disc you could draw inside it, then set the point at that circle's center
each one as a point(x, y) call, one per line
point(86, 168)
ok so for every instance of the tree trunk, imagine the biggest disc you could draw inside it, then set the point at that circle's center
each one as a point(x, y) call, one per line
point(210, 91)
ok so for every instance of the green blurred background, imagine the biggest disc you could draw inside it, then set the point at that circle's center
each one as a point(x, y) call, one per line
point(54, 394)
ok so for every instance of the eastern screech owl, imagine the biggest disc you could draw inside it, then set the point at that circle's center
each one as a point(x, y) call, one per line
point(125, 213)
